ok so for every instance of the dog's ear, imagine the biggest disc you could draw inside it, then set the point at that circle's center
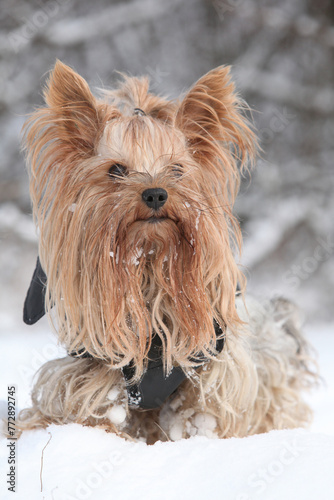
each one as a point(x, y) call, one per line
point(78, 117)
point(211, 113)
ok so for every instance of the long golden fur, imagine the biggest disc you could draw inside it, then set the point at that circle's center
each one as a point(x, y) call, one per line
point(115, 278)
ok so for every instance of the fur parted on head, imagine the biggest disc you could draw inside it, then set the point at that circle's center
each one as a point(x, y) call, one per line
point(118, 270)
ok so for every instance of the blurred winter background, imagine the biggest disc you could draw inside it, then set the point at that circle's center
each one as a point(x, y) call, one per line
point(282, 57)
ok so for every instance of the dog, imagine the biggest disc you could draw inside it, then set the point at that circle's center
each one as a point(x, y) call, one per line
point(133, 198)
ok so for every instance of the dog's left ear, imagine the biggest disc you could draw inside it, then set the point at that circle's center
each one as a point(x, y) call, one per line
point(211, 113)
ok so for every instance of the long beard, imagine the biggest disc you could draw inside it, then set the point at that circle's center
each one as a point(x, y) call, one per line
point(163, 291)
point(142, 279)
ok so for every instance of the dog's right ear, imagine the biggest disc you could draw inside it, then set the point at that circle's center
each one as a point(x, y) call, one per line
point(71, 123)
point(78, 117)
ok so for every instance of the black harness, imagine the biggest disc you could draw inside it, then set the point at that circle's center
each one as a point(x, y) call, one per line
point(155, 386)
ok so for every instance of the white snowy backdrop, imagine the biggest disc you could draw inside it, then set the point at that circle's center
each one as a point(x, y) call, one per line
point(282, 57)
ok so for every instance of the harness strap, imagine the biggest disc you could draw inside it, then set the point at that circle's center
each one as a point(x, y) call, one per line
point(155, 387)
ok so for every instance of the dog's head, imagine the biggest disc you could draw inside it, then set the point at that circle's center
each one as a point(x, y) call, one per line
point(133, 197)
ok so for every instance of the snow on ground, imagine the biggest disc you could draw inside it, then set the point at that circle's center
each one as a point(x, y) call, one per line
point(80, 463)
point(74, 462)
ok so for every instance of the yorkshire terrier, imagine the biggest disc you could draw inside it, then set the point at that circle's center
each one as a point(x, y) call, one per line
point(132, 195)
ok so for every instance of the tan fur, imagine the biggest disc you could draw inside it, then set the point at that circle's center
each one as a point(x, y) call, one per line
point(114, 278)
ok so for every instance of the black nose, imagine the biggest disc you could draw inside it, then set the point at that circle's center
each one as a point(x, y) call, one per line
point(155, 197)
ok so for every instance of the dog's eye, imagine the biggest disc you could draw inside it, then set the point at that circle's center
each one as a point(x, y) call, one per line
point(117, 170)
point(177, 170)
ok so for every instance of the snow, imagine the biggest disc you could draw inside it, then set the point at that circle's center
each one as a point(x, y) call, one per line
point(75, 462)
point(113, 394)
point(116, 414)
point(80, 463)
point(137, 254)
point(72, 207)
